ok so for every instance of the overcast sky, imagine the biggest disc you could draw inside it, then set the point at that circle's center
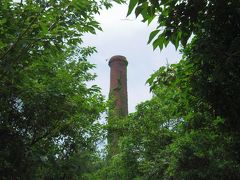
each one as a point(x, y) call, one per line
point(127, 37)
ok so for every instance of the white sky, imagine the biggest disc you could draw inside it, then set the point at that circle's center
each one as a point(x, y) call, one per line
point(128, 38)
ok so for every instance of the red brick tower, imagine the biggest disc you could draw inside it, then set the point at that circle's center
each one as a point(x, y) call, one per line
point(118, 83)
point(118, 95)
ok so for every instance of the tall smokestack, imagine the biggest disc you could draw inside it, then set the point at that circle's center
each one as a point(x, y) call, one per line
point(118, 94)
point(118, 84)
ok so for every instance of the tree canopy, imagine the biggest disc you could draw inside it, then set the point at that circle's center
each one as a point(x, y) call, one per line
point(48, 115)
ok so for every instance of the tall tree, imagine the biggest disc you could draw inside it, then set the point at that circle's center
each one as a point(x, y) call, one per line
point(214, 53)
point(190, 129)
point(48, 115)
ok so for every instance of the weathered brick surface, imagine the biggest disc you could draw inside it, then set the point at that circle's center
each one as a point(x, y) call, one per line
point(118, 93)
point(118, 83)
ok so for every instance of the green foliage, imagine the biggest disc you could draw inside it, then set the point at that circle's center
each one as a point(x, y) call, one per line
point(48, 115)
point(201, 90)
point(178, 20)
point(176, 135)
point(216, 64)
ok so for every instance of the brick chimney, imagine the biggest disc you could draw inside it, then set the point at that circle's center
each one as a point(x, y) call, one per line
point(118, 95)
point(118, 84)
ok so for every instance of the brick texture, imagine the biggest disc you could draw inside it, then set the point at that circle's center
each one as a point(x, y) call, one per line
point(118, 84)
point(119, 101)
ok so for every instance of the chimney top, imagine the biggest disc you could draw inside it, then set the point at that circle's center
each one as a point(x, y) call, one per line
point(118, 58)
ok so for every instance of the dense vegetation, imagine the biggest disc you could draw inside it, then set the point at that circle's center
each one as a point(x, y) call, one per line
point(188, 130)
point(48, 116)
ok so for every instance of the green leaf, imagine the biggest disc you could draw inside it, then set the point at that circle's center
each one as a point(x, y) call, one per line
point(44, 28)
point(152, 35)
point(155, 44)
point(131, 6)
point(150, 19)
point(159, 42)
point(3, 21)
point(2, 45)
point(138, 10)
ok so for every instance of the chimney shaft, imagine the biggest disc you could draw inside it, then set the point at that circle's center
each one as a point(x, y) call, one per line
point(118, 84)
point(118, 95)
